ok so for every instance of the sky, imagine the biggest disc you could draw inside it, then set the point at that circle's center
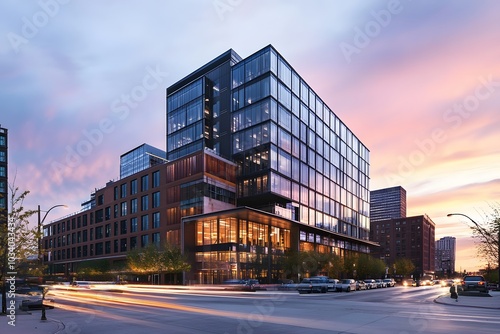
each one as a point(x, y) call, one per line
point(418, 82)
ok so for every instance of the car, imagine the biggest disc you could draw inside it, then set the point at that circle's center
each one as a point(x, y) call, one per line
point(252, 284)
point(447, 282)
point(360, 285)
point(474, 283)
point(310, 285)
point(408, 282)
point(235, 284)
point(390, 282)
point(333, 284)
point(370, 283)
point(348, 285)
point(380, 283)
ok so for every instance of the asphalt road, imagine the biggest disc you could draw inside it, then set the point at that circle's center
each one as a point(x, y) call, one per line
point(391, 310)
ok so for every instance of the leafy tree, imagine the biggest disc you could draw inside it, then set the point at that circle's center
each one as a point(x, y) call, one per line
point(154, 259)
point(404, 267)
point(18, 241)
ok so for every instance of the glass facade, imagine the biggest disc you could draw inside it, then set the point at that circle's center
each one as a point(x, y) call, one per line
point(292, 148)
point(139, 159)
point(388, 203)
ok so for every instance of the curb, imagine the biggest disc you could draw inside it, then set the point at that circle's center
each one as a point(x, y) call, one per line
point(60, 326)
point(436, 300)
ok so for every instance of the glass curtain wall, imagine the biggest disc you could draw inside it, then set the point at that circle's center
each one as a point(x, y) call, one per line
point(290, 145)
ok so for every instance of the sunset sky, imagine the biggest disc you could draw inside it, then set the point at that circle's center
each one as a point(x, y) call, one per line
point(418, 82)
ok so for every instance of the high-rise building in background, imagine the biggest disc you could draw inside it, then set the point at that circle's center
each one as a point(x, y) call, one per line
point(257, 165)
point(406, 238)
point(445, 255)
point(387, 203)
point(4, 184)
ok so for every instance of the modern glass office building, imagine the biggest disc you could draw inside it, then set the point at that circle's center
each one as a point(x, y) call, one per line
point(296, 158)
point(257, 166)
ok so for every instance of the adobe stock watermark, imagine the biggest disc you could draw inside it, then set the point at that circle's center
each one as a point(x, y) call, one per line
point(223, 6)
point(453, 117)
point(120, 111)
point(31, 26)
point(371, 29)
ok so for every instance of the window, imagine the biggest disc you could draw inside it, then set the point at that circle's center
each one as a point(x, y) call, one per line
point(144, 240)
point(144, 223)
point(123, 190)
point(133, 187)
point(156, 199)
point(98, 232)
point(133, 205)
point(107, 230)
point(156, 238)
point(124, 209)
point(133, 242)
point(133, 225)
point(123, 227)
point(156, 220)
point(144, 203)
point(156, 179)
point(123, 245)
point(145, 183)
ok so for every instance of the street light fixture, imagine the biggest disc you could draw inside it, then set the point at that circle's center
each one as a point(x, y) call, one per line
point(481, 229)
point(40, 223)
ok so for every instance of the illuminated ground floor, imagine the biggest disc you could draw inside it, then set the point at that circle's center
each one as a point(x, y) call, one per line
point(244, 243)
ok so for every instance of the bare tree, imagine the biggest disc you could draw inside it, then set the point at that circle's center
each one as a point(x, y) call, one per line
point(487, 236)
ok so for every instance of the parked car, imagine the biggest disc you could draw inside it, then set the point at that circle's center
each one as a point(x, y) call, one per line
point(390, 282)
point(380, 283)
point(348, 285)
point(310, 285)
point(474, 283)
point(370, 283)
point(333, 284)
point(360, 285)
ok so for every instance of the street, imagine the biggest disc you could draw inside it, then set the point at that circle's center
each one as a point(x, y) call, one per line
point(391, 310)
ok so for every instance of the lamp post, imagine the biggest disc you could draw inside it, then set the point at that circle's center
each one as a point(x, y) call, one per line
point(482, 230)
point(40, 223)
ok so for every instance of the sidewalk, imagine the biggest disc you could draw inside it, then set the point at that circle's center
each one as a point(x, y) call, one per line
point(490, 300)
point(29, 322)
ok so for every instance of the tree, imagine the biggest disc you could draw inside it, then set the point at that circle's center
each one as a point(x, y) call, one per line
point(487, 237)
point(404, 267)
point(154, 259)
point(18, 241)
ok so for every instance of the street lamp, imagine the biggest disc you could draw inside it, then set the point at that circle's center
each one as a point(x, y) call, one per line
point(40, 223)
point(481, 229)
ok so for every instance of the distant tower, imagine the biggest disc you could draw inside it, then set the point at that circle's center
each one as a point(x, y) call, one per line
point(388, 203)
point(445, 255)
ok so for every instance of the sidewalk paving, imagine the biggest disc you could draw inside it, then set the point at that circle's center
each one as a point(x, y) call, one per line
point(29, 321)
point(490, 300)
